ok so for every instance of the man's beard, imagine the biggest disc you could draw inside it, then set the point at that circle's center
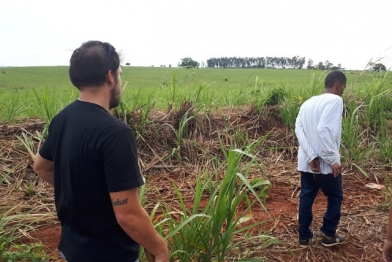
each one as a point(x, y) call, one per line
point(114, 101)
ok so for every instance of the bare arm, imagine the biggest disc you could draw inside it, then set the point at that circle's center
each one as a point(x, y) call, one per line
point(44, 168)
point(135, 221)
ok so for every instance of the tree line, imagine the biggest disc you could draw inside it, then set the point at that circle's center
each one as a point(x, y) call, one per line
point(294, 62)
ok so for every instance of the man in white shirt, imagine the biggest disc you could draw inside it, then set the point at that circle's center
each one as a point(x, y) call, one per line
point(318, 129)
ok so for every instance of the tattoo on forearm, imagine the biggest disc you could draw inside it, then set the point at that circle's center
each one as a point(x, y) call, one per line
point(119, 202)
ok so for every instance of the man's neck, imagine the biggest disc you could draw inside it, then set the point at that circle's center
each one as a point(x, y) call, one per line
point(95, 96)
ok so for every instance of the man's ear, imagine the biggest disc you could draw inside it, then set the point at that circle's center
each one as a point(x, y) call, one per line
point(336, 86)
point(109, 77)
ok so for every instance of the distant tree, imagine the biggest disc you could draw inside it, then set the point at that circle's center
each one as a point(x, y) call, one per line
point(169, 65)
point(256, 62)
point(320, 66)
point(188, 63)
point(328, 65)
point(301, 62)
point(310, 64)
point(128, 64)
point(378, 67)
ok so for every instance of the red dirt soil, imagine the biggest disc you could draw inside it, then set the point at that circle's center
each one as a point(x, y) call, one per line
point(282, 205)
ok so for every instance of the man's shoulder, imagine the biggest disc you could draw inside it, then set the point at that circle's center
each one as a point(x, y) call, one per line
point(91, 116)
point(325, 98)
point(116, 125)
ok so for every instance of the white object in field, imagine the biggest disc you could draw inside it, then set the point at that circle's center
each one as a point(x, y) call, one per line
point(374, 186)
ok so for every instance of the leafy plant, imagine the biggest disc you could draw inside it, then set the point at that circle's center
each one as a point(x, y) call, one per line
point(182, 130)
point(275, 97)
point(206, 232)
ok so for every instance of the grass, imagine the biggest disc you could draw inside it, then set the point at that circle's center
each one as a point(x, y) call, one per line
point(207, 232)
point(26, 87)
point(12, 228)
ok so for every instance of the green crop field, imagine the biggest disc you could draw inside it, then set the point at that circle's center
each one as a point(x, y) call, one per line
point(162, 87)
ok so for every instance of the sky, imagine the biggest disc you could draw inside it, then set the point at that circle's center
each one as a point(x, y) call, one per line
point(162, 32)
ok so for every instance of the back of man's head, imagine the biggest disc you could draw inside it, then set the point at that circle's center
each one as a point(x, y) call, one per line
point(335, 77)
point(90, 64)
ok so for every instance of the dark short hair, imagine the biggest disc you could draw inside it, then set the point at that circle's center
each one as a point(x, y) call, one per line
point(90, 63)
point(335, 77)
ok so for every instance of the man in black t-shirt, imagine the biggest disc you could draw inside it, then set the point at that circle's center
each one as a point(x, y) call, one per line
point(90, 158)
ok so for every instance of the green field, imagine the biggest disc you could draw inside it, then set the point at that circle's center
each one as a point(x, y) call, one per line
point(161, 87)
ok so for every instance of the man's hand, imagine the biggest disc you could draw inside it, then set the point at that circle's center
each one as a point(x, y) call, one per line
point(150, 257)
point(387, 251)
point(315, 165)
point(161, 257)
point(336, 169)
point(164, 257)
point(136, 222)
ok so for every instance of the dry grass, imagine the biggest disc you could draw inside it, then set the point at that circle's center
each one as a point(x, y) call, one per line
point(363, 221)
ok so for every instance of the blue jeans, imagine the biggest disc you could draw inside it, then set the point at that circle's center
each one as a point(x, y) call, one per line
point(332, 188)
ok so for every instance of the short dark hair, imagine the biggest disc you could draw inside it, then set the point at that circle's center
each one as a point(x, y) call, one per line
point(335, 77)
point(90, 63)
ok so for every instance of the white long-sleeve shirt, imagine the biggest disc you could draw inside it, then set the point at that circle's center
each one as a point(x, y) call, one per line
point(318, 128)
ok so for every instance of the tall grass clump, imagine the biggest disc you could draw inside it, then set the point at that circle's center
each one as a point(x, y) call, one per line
point(263, 95)
point(355, 143)
point(316, 83)
point(290, 107)
point(47, 106)
point(365, 132)
point(384, 144)
point(11, 107)
point(178, 91)
point(208, 231)
point(137, 105)
point(296, 96)
point(378, 102)
point(181, 132)
point(202, 97)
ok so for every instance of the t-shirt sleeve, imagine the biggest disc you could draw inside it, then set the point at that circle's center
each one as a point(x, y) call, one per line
point(120, 161)
point(45, 151)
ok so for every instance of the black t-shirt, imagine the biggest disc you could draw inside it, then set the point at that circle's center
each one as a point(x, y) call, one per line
point(94, 154)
